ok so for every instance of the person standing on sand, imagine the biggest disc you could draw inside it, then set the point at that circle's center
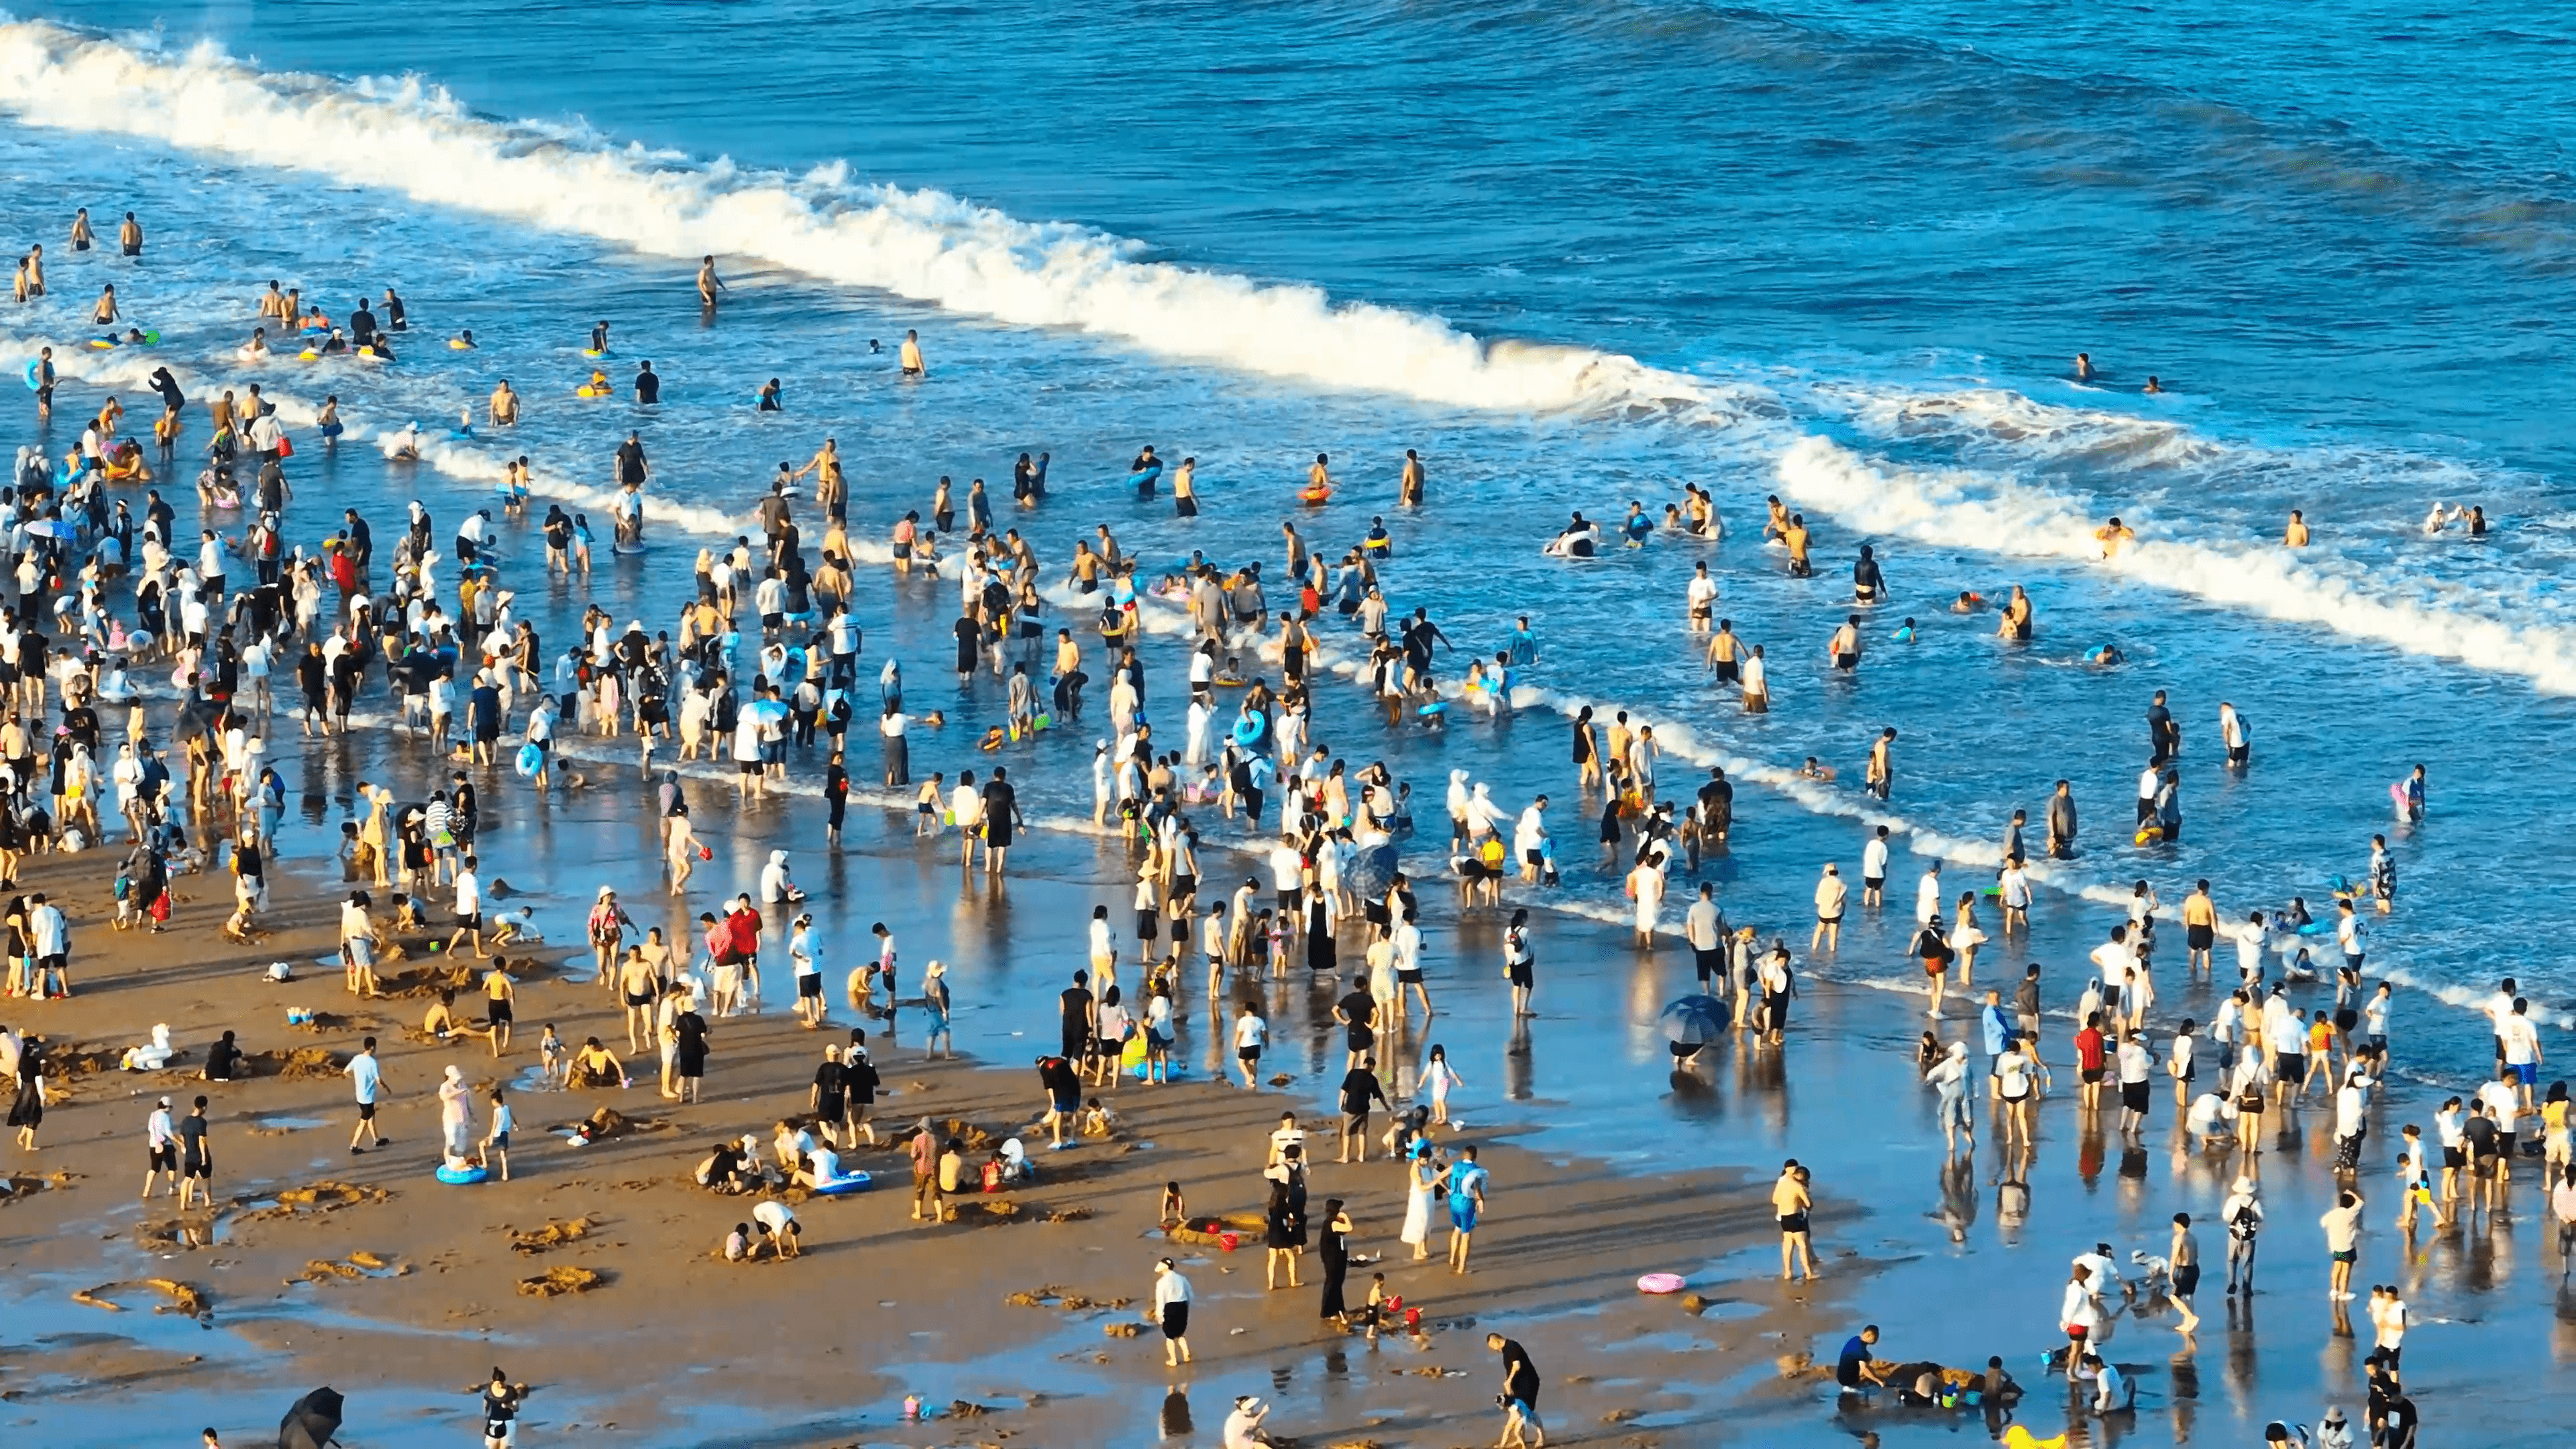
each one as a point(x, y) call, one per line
point(1172, 1312)
point(924, 1152)
point(196, 1158)
point(161, 1145)
point(1466, 1205)
point(367, 1079)
point(1791, 1202)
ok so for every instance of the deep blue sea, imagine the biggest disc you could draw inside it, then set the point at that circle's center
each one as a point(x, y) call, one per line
point(1574, 255)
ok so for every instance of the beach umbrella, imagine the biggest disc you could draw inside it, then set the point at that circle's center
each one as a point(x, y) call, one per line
point(48, 528)
point(1696, 1020)
point(1372, 871)
point(312, 1423)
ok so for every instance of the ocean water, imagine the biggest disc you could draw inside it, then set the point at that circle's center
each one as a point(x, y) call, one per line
point(1840, 253)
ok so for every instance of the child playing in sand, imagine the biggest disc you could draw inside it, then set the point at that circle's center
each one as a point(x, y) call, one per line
point(1097, 1120)
point(550, 1056)
point(1176, 1209)
point(519, 928)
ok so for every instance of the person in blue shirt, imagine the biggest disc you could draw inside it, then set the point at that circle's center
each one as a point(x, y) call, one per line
point(1852, 1370)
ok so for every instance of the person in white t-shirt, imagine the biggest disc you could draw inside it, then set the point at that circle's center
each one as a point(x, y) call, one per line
point(1251, 1033)
point(966, 803)
point(2521, 1049)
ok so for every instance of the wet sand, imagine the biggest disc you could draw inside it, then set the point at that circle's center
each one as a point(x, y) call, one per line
point(1606, 1166)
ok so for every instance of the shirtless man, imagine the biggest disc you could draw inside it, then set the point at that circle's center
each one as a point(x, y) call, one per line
point(1845, 646)
point(911, 356)
point(505, 405)
point(708, 282)
point(831, 488)
point(1408, 488)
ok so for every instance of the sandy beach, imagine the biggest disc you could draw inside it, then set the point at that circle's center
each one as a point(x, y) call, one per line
point(1605, 1167)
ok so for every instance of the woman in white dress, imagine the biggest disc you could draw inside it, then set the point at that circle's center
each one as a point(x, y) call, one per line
point(1647, 882)
point(1421, 1174)
point(1966, 938)
point(1438, 1077)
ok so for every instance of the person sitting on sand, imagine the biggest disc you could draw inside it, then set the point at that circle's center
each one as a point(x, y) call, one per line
point(737, 1244)
point(596, 1066)
point(1098, 1120)
point(725, 1169)
point(223, 1061)
point(821, 1169)
point(442, 1022)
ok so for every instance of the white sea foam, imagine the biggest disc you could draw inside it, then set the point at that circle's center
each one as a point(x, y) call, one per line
point(1968, 508)
point(921, 244)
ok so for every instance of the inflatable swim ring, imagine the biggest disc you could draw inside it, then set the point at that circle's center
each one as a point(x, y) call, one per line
point(371, 354)
point(308, 355)
point(32, 384)
point(1314, 497)
point(594, 352)
point(459, 344)
point(2149, 835)
point(530, 757)
point(1661, 1283)
point(586, 390)
point(462, 1176)
point(848, 1182)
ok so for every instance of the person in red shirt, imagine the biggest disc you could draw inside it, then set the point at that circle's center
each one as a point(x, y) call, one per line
point(2088, 1058)
point(742, 927)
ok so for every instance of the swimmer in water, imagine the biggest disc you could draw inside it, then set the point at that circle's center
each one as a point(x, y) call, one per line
point(770, 399)
point(2017, 617)
point(1637, 525)
point(1815, 770)
point(1379, 544)
point(2478, 521)
point(2114, 534)
point(2105, 655)
point(1777, 525)
point(2154, 384)
point(709, 284)
point(1408, 485)
point(2296, 535)
point(463, 341)
point(1869, 586)
point(1968, 602)
point(599, 337)
point(1845, 645)
point(1797, 538)
point(1904, 632)
point(2084, 367)
point(911, 356)
point(1578, 540)
point(2442, 517)
point(1319, 480)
